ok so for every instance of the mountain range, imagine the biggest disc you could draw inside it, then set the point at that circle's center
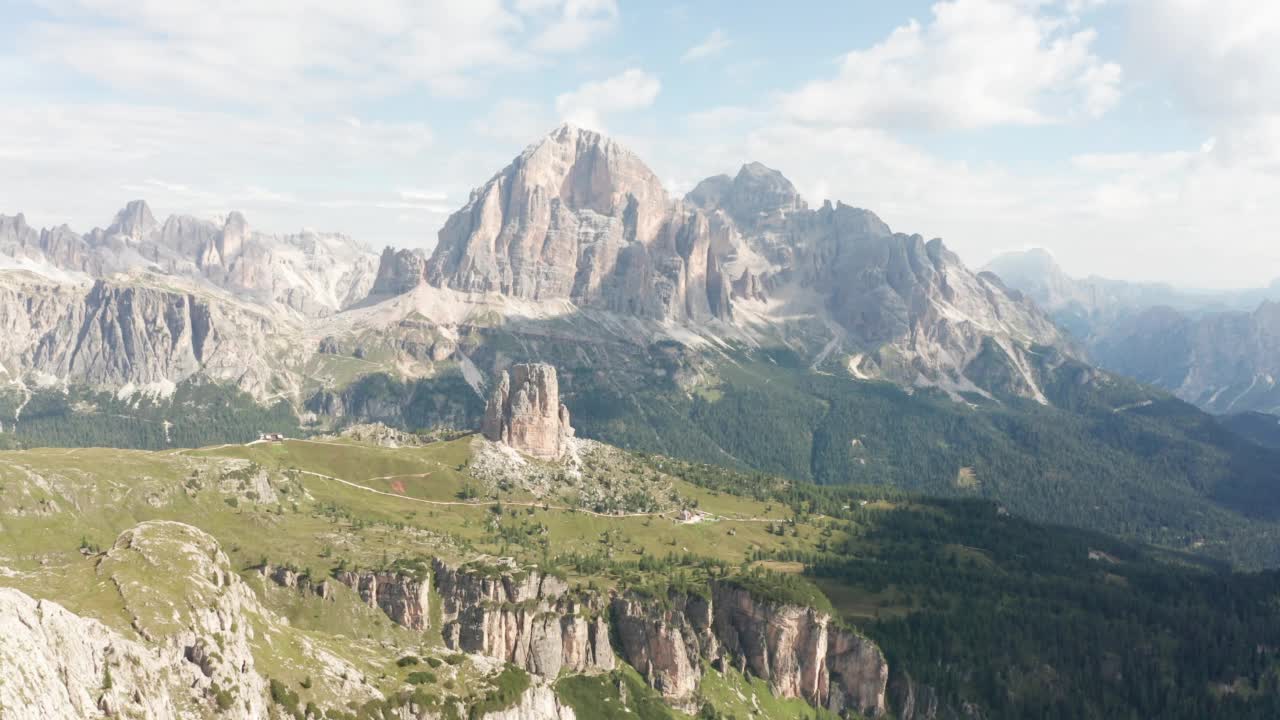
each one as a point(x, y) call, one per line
point(1219, 350)
point(734, 325)
point(576, 225)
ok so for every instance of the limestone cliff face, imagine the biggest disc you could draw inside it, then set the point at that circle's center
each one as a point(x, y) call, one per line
point(579, 217)
point(798, 650)
point(522, 617)
point(525, 411)
point(916, 701)
point(113, 334)
point(55, 662)
point(293, 580)
point(801, 652)
point(897, 307)
point(666, 642)
point(404, 598)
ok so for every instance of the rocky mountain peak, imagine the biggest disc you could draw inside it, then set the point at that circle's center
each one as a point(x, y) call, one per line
point(399, 271)
point(588, 171)
point(525, 413)
point(755, 193)
point(765, 189)
point(134, 220)
point(578, 217)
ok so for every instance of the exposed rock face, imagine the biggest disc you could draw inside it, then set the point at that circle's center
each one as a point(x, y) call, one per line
point(539, 702)
point(756, 195)
point(315, 274)
point(293, 580)
point(525, 412)
point(667, 642)
point(399, 271)
point(579, 217)
point(522, 617)
point(54, 663)
point(748, 286)
point(799, 651)
point(576, 223)
point(209, 628)
point(1223, 361)
point(197, 627)
point(115, 335)
point(405, 599)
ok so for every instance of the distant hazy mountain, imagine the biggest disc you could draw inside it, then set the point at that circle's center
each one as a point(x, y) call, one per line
point(312, 273)
point(1218, 349)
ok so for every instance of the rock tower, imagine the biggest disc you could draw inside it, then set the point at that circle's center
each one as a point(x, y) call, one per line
point(525, 412)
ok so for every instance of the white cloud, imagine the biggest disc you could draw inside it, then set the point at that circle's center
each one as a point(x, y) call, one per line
point(714, 44)
point(576, 22)
point(282, 172)
point(289, 53)
point(1221, 55)
point(977, 63)
point(423, 195)
point(588, 105)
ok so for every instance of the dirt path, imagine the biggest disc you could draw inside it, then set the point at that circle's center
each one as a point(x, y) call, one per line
point(512, 503)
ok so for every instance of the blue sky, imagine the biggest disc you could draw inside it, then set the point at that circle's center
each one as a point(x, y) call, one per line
point(1135, 139)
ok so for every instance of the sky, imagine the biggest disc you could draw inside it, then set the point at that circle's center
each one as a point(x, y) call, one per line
point(1137, 140)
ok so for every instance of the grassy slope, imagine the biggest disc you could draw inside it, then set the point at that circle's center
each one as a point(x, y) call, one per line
point(913, 573)
point(58, 499)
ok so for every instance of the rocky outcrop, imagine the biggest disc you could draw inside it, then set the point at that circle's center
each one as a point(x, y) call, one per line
point(748, 286)
point(800, 651)
point(56, 666)
point(287, 577)
point(525, 412)
point(523, 617)
point(187, 603)
point(539, 702)
point(406, 599)
point(399, 271)
point(185, 646)
point(666, 642)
